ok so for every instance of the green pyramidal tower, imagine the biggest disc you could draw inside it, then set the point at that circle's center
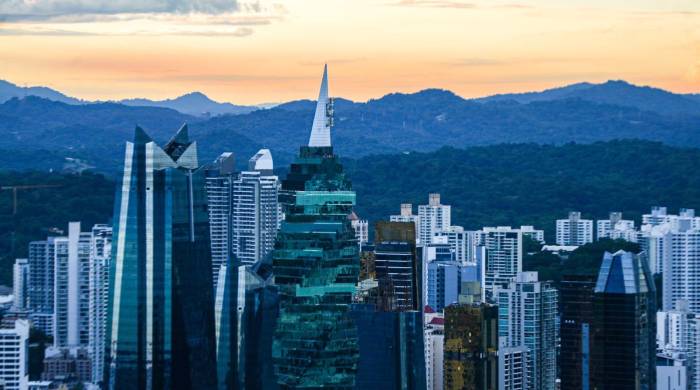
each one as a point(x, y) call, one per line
point(316, 266)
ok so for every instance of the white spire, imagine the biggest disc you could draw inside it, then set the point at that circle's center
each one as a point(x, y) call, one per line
point(323, 119)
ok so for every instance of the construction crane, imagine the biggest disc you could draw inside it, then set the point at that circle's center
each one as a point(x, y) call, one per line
point(15, 189)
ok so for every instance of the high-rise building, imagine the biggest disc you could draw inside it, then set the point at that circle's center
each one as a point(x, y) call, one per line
point(396, 264)
point(535, 234)
point(220, 176)
point(655, 241)
point(576, 297)
point(41, 284)
point(161, 307)
point(459, 242)
point(574, 231)
point(443, 284)
point(513, 367)
point(14, 370)
point(623, 351)
point(391, 349)
point(434, 339)
point(246, 314)
point(615, 227)
point(20, 281)
point(434, 217)
point(72, 288)
point(660, 216)
point(471, 347)
point(100, 260)
point(255, 210)
point(316, 266)
point(504, 257)
point(679, 269)
point(677, 337)
point(527, 311)
point(244, 212)
point(407, 215)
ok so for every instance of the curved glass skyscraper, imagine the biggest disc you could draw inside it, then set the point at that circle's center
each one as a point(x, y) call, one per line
point(160, 326)
point(316, 266)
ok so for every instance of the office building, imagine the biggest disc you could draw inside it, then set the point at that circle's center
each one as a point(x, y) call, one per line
point(391, 350)
point(574, 231)
point(443, 285)
point(471, 347)
point(220, 176)
point(434, 217)
point(100, 261)
point(504, 257)
point(527, 311)
point(246, 315)
point(160, 332)
point(623, 352)
point(459, 241)
point(396, 264)
point(41, 284)
point(316, 265)
point(576, 297)
point(14, 370)
point(72, 288)
point(407, 215)
point(20, 282)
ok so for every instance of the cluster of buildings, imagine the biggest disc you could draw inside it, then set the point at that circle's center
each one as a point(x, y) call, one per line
point(211, 277)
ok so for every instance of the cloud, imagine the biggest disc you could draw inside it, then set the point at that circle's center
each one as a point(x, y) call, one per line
point(436, 4)
point(48, 9)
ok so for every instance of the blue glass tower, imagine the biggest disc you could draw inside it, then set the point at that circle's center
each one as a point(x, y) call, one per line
point(316, 267)
point(160, 329)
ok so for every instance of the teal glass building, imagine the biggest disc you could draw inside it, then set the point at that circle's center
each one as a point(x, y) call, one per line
point(160, 325)
point(316, 267)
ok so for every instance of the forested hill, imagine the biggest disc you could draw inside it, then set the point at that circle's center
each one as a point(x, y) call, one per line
point(507, 184)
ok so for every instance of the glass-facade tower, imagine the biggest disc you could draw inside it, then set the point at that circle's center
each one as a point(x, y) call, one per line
point(160, 327)
point(316, 267)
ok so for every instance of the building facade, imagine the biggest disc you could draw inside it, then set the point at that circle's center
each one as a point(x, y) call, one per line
point(434, 217)
point(20, 284)
point(161, 309)
point(316, 266)
point(14, 370)
point(100, 261)
point(406, 215)
point(576, 297)
point(574, 231)
point(504, 257)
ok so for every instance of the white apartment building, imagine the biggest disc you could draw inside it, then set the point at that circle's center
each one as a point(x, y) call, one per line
point(677, 343)
point(20, 281)
point(434, 217)
point(361, 227)
point(14, 370)
point(458, 239)
point(535, 234)
point(574, 230)
point(616, 228)
point(100, 261)
point(503, 247)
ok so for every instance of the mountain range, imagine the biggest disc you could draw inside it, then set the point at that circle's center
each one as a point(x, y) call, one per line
point(193, 103)
point(93, 134)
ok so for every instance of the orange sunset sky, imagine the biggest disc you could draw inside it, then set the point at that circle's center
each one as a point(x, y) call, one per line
point(271, 51)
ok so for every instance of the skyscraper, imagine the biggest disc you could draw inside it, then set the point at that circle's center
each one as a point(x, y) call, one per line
point(100, 260)
point(20, 279)
point(14, 370)
point(680, 268)
point(434, 217)
point(677, 337)
point(471, 345)
point(396, 264)
point(72, 272)
point(41, 284)
point(574, 230)
point(576, 297)
point(504, 257)
point(316, 266)
point(243, 210)
point(527, 310)
point(624, 322)
point(161, 308)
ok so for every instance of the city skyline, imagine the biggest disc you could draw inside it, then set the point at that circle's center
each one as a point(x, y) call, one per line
point(269, 51)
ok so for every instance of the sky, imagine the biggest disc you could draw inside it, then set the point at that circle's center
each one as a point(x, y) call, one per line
point(249, 52)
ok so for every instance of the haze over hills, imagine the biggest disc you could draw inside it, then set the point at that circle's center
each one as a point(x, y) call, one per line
point(424, 121)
